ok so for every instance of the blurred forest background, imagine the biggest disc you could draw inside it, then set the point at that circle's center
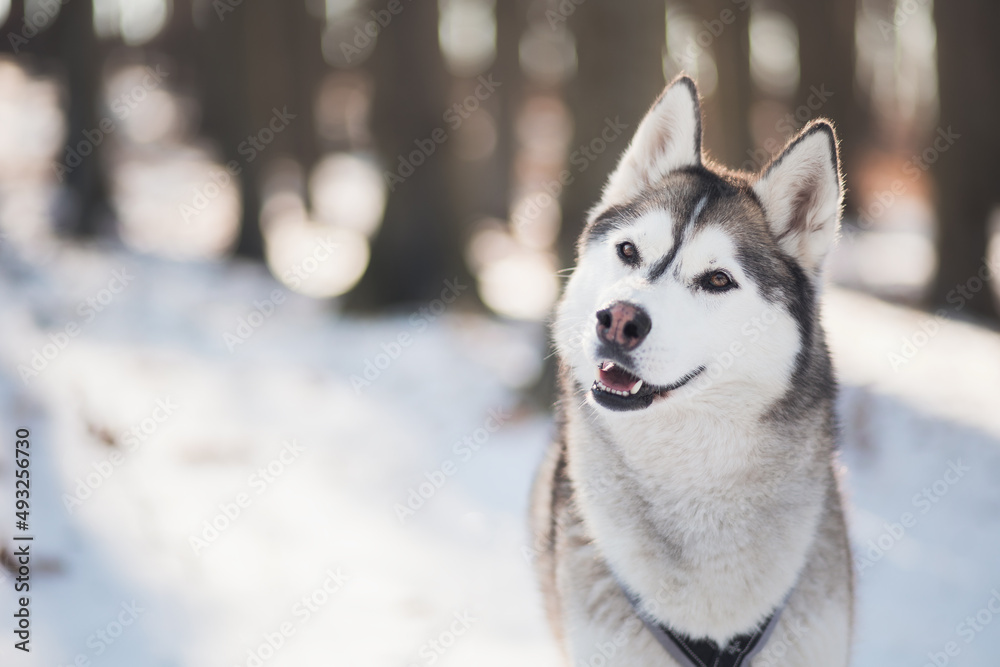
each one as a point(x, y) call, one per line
point(463, 138)
point(327, 176)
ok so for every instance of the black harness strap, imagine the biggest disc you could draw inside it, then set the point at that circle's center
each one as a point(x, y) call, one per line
point(704, 652)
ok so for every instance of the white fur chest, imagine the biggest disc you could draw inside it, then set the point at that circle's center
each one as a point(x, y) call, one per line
point(706, 519)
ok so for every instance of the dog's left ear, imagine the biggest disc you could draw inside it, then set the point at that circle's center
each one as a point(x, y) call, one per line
point(801, 192)
point(668, 138)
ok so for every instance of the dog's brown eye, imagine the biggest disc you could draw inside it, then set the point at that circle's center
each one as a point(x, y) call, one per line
point(628, 252)
point(718, 281)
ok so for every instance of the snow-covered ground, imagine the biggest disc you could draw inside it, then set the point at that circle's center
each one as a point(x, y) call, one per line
point(145, 425)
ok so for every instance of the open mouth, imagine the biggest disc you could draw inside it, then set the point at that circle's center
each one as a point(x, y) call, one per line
point(617, 388)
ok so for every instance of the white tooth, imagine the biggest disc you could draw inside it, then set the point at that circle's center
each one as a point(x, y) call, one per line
point(636, 388)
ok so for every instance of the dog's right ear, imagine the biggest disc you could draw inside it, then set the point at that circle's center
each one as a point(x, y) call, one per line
point(801, 193)
point(668, 138)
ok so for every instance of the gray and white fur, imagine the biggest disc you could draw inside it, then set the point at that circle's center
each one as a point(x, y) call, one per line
point(695, 463)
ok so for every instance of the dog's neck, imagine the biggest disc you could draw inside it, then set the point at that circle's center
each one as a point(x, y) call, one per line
point(685, 509)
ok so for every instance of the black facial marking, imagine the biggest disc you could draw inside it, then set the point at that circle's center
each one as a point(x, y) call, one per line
point(608, 221)
point(759, 263)
point(812, 379)
point(802, 306)
point(661, 266)
point(697, 202)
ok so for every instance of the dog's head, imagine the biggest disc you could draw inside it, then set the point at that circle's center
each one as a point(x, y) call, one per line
point(693, 283)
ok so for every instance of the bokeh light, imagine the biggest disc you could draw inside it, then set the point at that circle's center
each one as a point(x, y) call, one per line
point(521, 284)
point(467, 33)
point(348, 191)
point(312, 258)
point(774, 52)
point(548, 56)
point(178, 203)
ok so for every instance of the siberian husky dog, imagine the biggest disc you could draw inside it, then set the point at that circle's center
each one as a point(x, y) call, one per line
point(689, 511)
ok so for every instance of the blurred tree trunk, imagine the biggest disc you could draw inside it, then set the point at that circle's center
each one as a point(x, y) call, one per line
point(619, 75)
point(69, 42)
point(223, 84)
point(283, 50)
point(12, 29)
point(826, 79)
point(177, 42)
point(420, 242)
point(262, 65)
point(304, 41)
point(511, 25)
point(727, 112)
point(482, 186)
point(512, 21)
point(968, 142)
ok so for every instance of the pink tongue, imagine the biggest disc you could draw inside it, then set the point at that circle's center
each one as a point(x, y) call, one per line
point(615, 377)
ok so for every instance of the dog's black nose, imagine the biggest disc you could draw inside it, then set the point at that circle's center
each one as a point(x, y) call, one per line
point(623, 324)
